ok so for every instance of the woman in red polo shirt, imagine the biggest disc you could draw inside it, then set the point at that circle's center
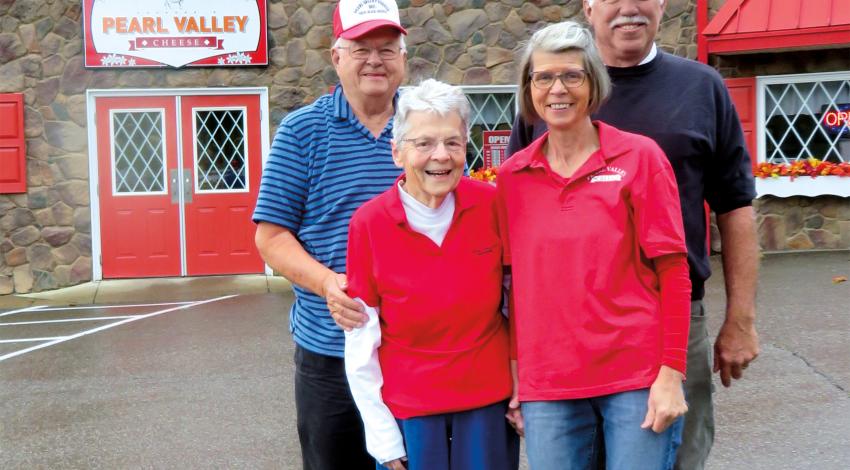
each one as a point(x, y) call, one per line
point(430, 370)
point(601, 296)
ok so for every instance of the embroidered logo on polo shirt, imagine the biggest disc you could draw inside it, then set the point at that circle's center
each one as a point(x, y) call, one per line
point(485, 250)
point(609, 175)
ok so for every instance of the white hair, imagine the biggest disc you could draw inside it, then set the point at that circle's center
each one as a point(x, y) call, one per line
point(430, 96)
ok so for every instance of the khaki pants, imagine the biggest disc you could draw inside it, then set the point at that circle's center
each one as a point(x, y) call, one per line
point(698, 434)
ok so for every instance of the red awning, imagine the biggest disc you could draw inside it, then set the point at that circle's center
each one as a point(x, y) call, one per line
point(778, 25)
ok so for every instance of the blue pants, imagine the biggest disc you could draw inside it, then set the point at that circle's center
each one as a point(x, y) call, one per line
point(563, 435)
point(479, 439)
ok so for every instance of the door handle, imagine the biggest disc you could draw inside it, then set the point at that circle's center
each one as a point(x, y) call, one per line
point(174, 183)
point(188, 187)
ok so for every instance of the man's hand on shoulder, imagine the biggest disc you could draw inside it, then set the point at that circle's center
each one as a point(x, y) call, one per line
point(346, 312)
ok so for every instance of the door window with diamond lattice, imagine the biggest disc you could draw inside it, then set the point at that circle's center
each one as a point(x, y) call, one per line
point(220, 152)
point(138, 152)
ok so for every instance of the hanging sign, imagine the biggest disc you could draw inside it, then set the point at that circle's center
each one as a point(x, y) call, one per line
point(495, 147)
point(176, 33)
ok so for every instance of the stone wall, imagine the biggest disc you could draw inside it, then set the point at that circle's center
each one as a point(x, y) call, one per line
point(46, 232)
point(803, 223)
point(46, 240)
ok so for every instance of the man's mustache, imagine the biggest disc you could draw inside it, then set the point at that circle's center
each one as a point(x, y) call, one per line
point(634, 19)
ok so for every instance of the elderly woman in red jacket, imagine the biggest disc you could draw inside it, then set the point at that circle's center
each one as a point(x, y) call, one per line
point(430, 371)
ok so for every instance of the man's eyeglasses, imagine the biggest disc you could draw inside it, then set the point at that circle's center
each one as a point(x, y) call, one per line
point(428, 145)
point(570, 79)
point(362, 52)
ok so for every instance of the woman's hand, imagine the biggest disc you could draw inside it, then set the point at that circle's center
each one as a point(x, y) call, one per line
point(396, 464)
point(514, 414)
point(666, 400)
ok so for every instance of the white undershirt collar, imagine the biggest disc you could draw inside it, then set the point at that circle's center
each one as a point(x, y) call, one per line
point(433, 223)
point(652, 53)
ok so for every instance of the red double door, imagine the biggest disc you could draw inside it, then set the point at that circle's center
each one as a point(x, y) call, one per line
point(177, 182)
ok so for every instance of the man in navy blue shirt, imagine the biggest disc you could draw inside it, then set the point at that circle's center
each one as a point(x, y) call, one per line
point(326, 160)
point(684, 106)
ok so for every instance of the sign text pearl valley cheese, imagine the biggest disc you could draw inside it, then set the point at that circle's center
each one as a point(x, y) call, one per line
point(175, 33)
point(183, 24)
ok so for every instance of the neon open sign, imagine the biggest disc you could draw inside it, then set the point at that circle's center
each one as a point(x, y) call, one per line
point(837, 121)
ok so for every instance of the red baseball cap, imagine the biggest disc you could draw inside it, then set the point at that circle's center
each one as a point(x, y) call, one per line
point(354, 18)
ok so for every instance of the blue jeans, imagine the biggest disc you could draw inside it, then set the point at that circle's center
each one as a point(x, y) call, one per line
point(563, 435)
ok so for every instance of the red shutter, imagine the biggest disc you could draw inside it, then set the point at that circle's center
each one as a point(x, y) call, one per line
point(743, 92)
point(13, 162)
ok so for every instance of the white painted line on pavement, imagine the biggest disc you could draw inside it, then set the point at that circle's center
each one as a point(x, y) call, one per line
point(30, 340)
point(104, 327)
point(22, 310)
point(66, 320)
point(94, 307)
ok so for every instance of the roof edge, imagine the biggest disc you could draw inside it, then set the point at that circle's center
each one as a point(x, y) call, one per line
point(728, 11)
point(791, 39)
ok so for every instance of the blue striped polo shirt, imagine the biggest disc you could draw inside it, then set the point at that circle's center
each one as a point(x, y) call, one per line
point(323, 164)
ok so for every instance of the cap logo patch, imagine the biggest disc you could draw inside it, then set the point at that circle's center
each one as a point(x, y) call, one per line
point(371, 7)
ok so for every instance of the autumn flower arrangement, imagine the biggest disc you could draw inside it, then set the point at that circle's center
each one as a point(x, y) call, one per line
point(487, 175)
point(808, 167)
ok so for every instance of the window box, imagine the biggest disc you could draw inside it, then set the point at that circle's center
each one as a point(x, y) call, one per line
point(784, 186)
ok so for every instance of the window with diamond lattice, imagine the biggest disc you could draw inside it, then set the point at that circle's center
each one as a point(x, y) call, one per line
point(220, 152)
point(138, 150)
point(493, 108)
point(805, 117)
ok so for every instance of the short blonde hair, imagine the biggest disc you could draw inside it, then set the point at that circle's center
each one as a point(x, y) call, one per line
point(557, 38)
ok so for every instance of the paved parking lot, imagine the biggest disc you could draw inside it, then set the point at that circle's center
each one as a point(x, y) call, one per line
point(188, 374)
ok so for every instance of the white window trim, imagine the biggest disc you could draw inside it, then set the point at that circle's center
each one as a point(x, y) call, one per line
point(784, 186)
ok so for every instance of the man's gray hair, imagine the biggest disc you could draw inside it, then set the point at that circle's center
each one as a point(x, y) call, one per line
point(430, 96)
point(567, 36)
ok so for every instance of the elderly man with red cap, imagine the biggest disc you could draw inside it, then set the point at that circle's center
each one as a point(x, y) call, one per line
point(326, 160)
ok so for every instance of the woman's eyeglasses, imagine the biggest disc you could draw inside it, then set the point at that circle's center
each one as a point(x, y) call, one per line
point(428, 145)
point(570, 79)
